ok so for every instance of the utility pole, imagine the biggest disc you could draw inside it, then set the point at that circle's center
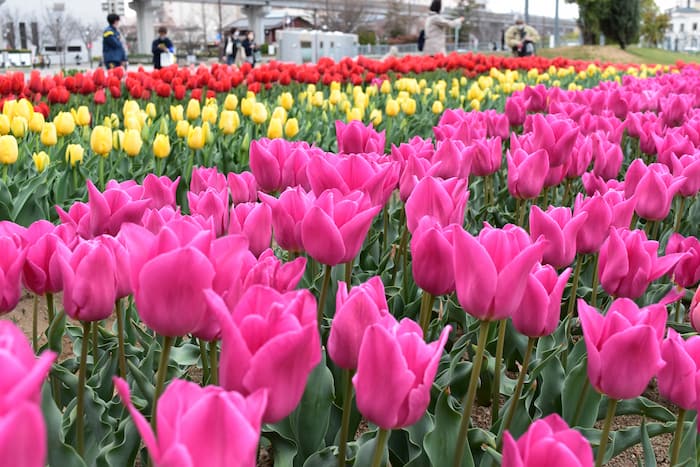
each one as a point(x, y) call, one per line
point(526, 15)
point(556, 23)
point(204, 25)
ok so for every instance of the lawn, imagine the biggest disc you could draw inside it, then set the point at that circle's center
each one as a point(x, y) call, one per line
point(610, 53)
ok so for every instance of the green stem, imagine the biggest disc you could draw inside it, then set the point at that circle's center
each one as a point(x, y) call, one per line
point(95, 338)
point(522, 203)
point(574, 286)
point(594, 285)
point(80, 408)
point(612, 404)
point(545, 198)
point(579, 404)
point(471, 392)
point(399, 253)
point(348, 273)
point(426, 311)
point(677, 437)
point(678, 311)
point(519, 384)
point(495, 397)
point(345, 424)
point(655, 229)
point(679, 215)
point(205, 361)
point(379, 447)
point(567, 192)
point(49, 307)
point(324, 292)
point(4, 174)
point(160, 378)
point(120, 331)
point(102, 173)
point(385, 218)
point(159, 167)
point(75, 178)
point(213, 363)
point(35, 330)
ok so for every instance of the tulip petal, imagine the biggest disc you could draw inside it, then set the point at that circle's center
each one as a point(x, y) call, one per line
point(322, 239)
point(144, 428)
point(475, 275)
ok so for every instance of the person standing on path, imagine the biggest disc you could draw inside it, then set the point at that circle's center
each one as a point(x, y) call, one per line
point(113, 53)
point(436, 26)
point(231, 46)
point(162, 45)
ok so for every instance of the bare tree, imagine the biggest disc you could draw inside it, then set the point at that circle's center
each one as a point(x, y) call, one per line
point(9, 27)
point(60, 28)
point(345, 15)
point(89, 33)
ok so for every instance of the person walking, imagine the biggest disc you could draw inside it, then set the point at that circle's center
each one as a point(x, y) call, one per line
point(161, 48)
point(435, 27)
point(113, 52)
point(250, 48)
point(231, 46)
point(521, 38)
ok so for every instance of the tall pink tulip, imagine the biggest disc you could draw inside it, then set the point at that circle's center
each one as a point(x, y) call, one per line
point(288, 212)
point(431, 250)
point(688, 167)
point(679, 377)
point(269, 341)
point(407, 366)
point(623, 346)
point(443, 200)
point(41, 272)
point(559, 228)
point(243, 187)
point(628, 263)
point(356, 138)
point(211, 204)
point(654, 188)
point(451, 159)
point(687, 272)
point(204, 178)
point(356, 311)
point(254, 220)
point(415, 170)
point(548, 441)
point(205, 426)
point(486, 156)
point(491, 270)
point(526, 173)
point(279, 164)
point(515, 110)
point(161, 191)
point(335, 227)
point(607, 157)
point(694, 311)
point(539, 312)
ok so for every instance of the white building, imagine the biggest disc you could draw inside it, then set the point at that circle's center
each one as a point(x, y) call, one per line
point(684, 32)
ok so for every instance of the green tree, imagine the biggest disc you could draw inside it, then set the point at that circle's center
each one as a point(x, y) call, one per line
point(622, 21)
point(470, 10)
point(589, 15)
point(654, 23)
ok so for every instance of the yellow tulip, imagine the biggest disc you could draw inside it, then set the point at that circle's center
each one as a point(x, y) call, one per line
point(182, 129)
point(375, 117)
point(19, 126)
point(208, 135)
point(117, 140)
point(475, 105)
point(74, 154)
point(335, 85)
point(8, 107)
point(354, 114)
point(24, 108)
point(408, 106)
point(317, 99)
point(176, 113)
point(193, 109)
point(391, 108)
point(274, 129)
point(36, 123)
point(259, 114)
point(65, 124)
point(195, 138)
point(386, 87)
point(4, 124)
point(132, 142)
point(437, 107)
point(280, 113)
point(101, 140)
point(81, 116)
point(151, 110)
point(250, 95)
point(209, 113)
point(291, 128)
point(247, 106)
point(48, 134)
point(41, 161)
point(286, 100)
point(231, 102)
point(132, 121)
point(130, 106)
point(229, 121)
point(334, 97)
point(8, 149)
point(161, 146)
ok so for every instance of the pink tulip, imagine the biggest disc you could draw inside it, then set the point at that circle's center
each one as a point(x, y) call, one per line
point(592, 233)
point(607, 157)
point(688, 167)
point(497, 124)
point(243, 187)
point(526, 173)
point(41, 272)
point(416, 147)
point(623, 346)
point(581, 157)
point(161, 191)
point(288, 212)
point(679, 377)
point(356, 138)
point(491, 270)
point(254, 220)
point(204, 178)
point(451, 159)
point(279, 164)
point(515, 110)
point(415, 170)
point(694, 311)
point(356, 311)
point(465, 131)
point(335, 227)
point(548, 441)
point(270, 341)
point(686, 273)
point(538, 314)
point(443, 200)
point(628, 263)
point(554, 134)
point(211, 204)
point(672, 145)
point(654, 189)
point(675, 107)
point(130, 187)
point(271, 272)
point(535, 98)
point(431, 250)
point(622, 209)
point(559, 228)
point(486, 156)
point(408, 366)
point(205, 426)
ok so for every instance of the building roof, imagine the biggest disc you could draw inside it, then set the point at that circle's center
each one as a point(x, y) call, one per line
point(274, 19)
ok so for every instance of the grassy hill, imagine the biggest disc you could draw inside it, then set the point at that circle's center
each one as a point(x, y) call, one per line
point(610, 53)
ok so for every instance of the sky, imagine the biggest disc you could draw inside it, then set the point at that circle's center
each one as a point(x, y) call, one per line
point(546, 7)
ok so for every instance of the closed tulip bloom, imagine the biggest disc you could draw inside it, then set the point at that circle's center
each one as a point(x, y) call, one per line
point(437, 107)
point(247, 106)
point(548, 441)
point(36, 123)
point(623, 346)
point(280, 114)
point(74, 154)
point(242, 186)
point(391, 109)
point(278, 164)
point(65, 124)
point(269, 341)
point(205, 426)
point(559, 228)
point(41, 269)
point(18, 126)
point(259, 113)
point(204, 178)
point(48, 134)
point(254, 221)
point(336, 225)
point(182, 129)
point(231, 102)
point(655, 191)
point(687, 272)
point(8, 149)
point(515, 110)
point(492, 270)
point(275, 128)
point(355, 311)
point(694, 311)
point(209, 113)
point(4, 124)
point(407, 365)
point(41, 161)
point(132, 142)
point(101, 140)
point(539, 312)
point(628, 263)
point(288, 212)
point(594, 231)
point(195, 138)
point(81, 116)
point(213, 205)
point(286, 100)
point(527, 173)
point(229, 121)
point(291, 128)
point(161, 146)
point(679, 377)
point(444, 200)
point(431, 250)
point(11, 262)
point(176, 112)
point(356, 138)
point(193, 109)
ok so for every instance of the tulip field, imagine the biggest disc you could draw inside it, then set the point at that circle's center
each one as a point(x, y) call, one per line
point(454, 261)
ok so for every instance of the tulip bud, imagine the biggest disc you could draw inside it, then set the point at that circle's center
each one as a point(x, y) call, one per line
point(280, 114)
point(41, 161)
point(132, 121)
point(48, 134)
point(82, 116)
point(291, 128)
point(229, 121)
point(65, 124)
point(130, 107)
point(36, 123)
point(209, 113)
point(161, 146)
point(8, 107)
point(117, 139)
point(231, 102)
point(151, 110)
point(376, 117)
point(392, 108)
point(8, 149)
point(19, 126)
point(4, 124)
point(176, 113)
point(195, 137)
point(193, 109)
point(259, 114)
point(286, 100)
point(274, 130)
point(182, 129)
point(208, 135)
point(101, 140)
point(132, 142)
point(74, 154)
point(386, 87)
point(408, 106)
point(247, 106)
point(437, 107)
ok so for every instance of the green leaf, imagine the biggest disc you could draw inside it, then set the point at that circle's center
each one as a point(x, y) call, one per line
point(688, 452)
point(59, 453)
point(440, 443)
point(326, 457)
point(56, 331)
point(649, 456)
point(641, 406)
point(578, 396)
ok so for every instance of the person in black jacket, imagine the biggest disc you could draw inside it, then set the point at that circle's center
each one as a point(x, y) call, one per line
point(113, 53)
point(160, 46)
point(250, 48)
point(231, 44)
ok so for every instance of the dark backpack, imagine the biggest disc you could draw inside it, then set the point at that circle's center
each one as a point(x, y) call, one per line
point(421, 40)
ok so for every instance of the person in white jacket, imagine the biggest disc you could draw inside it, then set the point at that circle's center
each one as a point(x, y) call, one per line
point(435, 27)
